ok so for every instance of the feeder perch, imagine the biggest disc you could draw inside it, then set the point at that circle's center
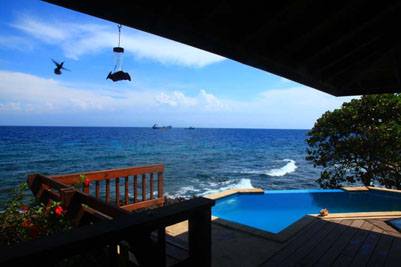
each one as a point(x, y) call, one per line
point(118, 74)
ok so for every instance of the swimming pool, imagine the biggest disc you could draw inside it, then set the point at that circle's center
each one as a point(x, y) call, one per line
point(274, 211)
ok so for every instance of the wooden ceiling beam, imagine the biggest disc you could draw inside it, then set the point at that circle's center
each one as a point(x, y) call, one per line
point(347, 38)
point(277, 18)
point(347, 60)
point(396, 68)
point(362, 67)
point(305, 38)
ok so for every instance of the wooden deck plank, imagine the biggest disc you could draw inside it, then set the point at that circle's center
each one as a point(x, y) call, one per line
point(176, 253)
point(385, 227)
point(170, 261)
point(286, 252)
point(176, 249)
point(345, 258)
point(394, 255)
point(314, 255)
point(351, 242)
point(365, 251)
point(381, 251)
point(335, 250)
point(308, 246)
point(358, 239)
point(353, 246)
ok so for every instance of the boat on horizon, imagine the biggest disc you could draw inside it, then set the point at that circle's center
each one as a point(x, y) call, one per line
point(157, 127)
point(190, 128)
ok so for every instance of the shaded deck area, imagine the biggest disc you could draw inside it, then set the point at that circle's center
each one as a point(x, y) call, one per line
point(342, 242)
point(360, 240)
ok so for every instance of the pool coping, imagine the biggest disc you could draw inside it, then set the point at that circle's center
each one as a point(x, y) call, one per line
point(281, 237)
point(300, 224)
point(367, 188)
point(230, 192)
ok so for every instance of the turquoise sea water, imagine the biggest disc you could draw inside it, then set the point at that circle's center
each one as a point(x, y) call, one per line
point(274, 211)
point(198, 162)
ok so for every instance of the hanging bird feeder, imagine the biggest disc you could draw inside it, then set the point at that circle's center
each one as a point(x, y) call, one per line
point(118, 74)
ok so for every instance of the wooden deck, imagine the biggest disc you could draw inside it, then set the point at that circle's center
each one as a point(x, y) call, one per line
point(121, 237)
point(359, 239)
point(342, 242)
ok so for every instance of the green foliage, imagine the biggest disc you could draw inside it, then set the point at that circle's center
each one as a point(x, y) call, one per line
point(359, 142)
point(81, 182)
point(19, 222)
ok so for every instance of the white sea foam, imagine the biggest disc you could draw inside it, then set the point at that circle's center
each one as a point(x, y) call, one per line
point(242, 184)
point(155, 193)
point(288, 168)
point(182, 192)
point(209, 188)
point(252, 172)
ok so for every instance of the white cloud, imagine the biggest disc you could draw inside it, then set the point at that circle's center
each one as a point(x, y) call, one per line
point(295, 98)
point(28, 93)
point(10, 106)
point(163, 98)
point(41, 30)
point(35, 94)
point(175, 99)
point(211, 102)
point(285, 80)
point(16, 42)
point(203, 101)
point(77, 40)
point(29, 96)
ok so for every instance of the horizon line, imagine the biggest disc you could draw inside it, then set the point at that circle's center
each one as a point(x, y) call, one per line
point(178, 127)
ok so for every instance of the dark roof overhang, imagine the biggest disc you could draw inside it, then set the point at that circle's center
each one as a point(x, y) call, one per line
point(339, 47)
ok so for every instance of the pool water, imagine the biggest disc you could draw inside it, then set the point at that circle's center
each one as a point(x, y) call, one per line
point(274, 211)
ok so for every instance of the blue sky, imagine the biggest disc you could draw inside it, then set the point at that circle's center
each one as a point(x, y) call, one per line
point(172, 84)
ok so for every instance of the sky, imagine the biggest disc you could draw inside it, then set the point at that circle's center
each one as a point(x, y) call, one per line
point(172, 83)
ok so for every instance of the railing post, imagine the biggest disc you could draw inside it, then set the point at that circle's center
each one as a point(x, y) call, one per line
point(200, 238)
point(86, 189)
point(135, 189)
point(161, 246)
point(108, 190)
point(151, 185)
point(160, 185)
point(118, 192)
point(126, 191)
point(71, 202)
point(66, 195)
point(143, 187)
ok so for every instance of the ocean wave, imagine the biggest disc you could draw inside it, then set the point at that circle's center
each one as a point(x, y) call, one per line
point(288, 168)
point(182, 192)
point(209, 188)
point(242, 184)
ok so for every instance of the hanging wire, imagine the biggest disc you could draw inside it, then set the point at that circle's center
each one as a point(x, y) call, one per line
point(119, 34)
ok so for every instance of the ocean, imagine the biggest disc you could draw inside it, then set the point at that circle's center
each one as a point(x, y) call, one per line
point(197, 162)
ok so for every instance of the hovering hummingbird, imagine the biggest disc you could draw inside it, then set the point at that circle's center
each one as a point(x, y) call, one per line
point(59, 67)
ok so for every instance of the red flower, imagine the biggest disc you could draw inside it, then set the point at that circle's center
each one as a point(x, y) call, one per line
point(26, 224)
point(59, 210)
point(24, 207)
point(34, 231)
point(86, 182)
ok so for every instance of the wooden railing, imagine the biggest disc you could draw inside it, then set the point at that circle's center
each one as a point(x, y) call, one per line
point(103, 225)
point(141, 199)
point(78, 205)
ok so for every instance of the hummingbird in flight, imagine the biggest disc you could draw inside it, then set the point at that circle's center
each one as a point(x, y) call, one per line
point(59, 67)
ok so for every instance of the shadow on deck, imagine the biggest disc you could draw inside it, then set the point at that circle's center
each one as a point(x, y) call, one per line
point(359, 241)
